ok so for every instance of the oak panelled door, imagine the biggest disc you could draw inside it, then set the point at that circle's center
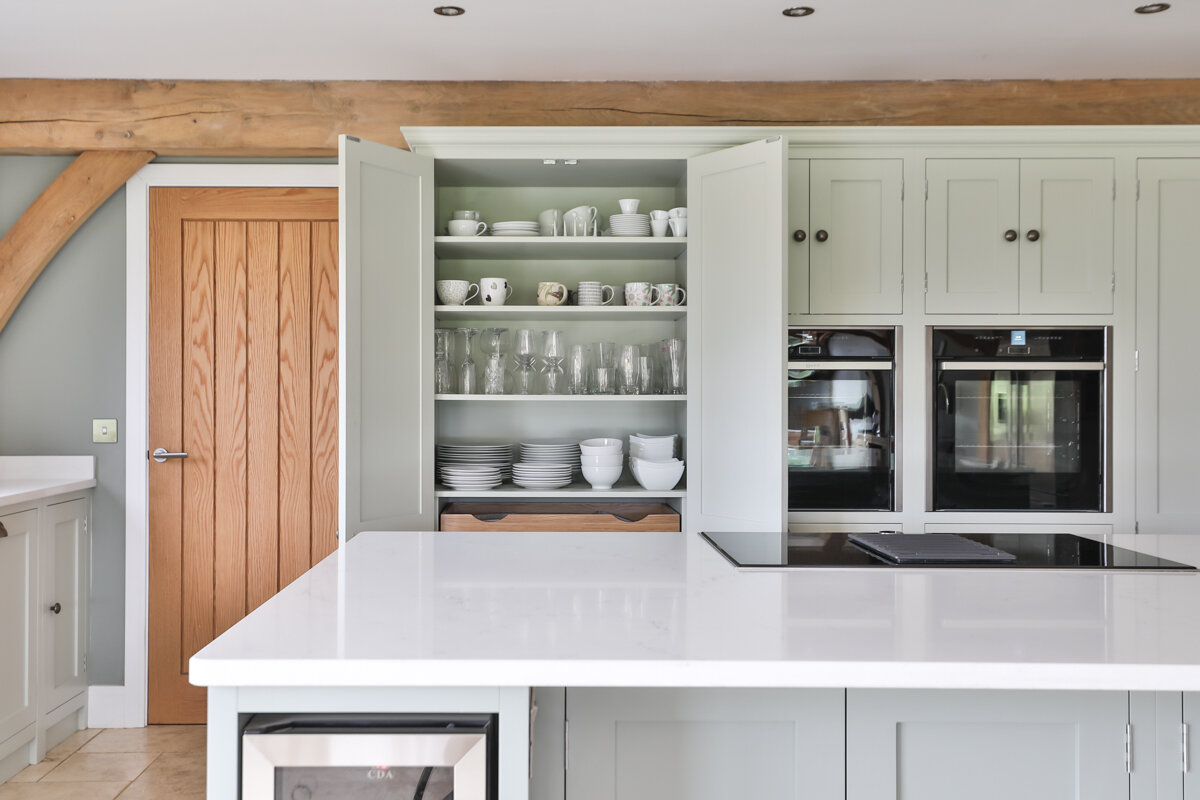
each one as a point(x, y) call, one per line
point(243, 379)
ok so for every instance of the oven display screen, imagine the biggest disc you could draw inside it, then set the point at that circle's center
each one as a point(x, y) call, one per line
point(377, 782)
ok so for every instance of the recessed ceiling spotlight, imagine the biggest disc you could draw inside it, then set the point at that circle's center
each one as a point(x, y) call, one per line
point(1152, 8)
point(798, 11)
point(450, 11)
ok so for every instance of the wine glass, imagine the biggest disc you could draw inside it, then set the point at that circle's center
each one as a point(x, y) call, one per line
point(525, 353)
point(466, 371)
point(493, 369)
point(553, 353)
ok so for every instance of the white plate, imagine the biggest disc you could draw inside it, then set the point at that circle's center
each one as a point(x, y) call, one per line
point(516, 233)
point(542, 485)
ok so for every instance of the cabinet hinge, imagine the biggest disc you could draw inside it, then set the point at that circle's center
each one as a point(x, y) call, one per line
point(85, 661)
point(1136, 360)
point(1113, 283)
point(1128, 748)
point(926, 283)
point(566, 744)
point(1135, 527)
point(1137, 195)
point(926, 189)
point(901, 281)
point(901, 188)
point(1114, 188)
point(1185, 731)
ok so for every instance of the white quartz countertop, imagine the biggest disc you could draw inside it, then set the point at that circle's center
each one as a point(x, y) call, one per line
point(615, 609)
point(28, 478)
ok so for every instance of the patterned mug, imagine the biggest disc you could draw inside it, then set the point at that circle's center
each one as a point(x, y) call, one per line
point(640, 293)
point(670, 294)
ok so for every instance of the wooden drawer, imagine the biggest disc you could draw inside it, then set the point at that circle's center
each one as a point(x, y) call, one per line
point(559, 517)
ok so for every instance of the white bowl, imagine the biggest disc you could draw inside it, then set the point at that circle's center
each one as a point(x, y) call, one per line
point(652, 453)
point(658, 479)
point(602, 460)
point(602, 477)
point(595, 447)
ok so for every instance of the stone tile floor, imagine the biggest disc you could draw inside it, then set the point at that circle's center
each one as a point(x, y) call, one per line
point(161, 761)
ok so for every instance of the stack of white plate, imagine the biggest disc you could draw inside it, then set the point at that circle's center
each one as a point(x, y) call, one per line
point(551, 451)
point(518, 228)
point(498, 456)
point(629, 224)
point(542, 475)
point(652, 448)
point(471, 478)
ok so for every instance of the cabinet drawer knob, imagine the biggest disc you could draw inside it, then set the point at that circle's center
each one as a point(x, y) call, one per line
point(3, 530)
point(799, 235)
point(1010, 235)
point(56, 608)
point(822, 236)
point(1033, 235)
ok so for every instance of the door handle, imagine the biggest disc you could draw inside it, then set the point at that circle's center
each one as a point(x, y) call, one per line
point(56, 608)
point(160, 455)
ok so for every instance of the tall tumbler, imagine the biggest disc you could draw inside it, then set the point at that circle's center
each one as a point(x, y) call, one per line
point(629, 368)
point(579, 362)
point(674, 365)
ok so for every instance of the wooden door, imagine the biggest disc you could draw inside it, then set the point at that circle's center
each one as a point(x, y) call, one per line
point(856, 236)
point(243, 378)
point(971, 267)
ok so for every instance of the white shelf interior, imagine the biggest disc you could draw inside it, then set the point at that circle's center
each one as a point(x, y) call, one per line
point(562, 398)
point(559, 247)
point(512, 313)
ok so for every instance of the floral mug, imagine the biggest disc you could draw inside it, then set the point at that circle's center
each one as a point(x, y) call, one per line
point(641, 293)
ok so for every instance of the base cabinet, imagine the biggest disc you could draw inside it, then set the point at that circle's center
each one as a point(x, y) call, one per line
point(18, 639)
point(704, 744)
point(939, 745)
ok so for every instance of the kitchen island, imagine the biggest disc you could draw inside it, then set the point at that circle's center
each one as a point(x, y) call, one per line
point(457, 622)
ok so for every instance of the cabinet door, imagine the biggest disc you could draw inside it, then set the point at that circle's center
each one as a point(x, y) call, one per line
point(798, 228)
point(857, 207)
point(385, 438)
point(1168, 276)
point(1069, 268)
point(737, 206)
point(18, 582)
point(946, 745)
point(1191, 754)
point(704, 744)
point(64, 555)
point(970, 267)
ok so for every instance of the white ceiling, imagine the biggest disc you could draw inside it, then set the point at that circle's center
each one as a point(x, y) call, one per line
point(610, 40)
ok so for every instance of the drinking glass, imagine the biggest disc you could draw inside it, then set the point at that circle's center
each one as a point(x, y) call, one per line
point(525, 353)
point(606, 354)
point(629, 369)
point(441, 361)
point(674, 363)
point(553, 352)
point(578, 364)
point(493, 368)
point(602, 380)
point(646, 377)
point(466, 370)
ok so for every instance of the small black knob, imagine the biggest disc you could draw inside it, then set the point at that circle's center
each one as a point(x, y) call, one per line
point(1010, 235)
point(1033, 236)
point(56, 608)
point(822, 236)
point(799, 235)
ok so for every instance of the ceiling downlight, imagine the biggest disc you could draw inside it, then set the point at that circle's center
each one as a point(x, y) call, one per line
point(799, 11)
point(449, 11)
point(1152, 8)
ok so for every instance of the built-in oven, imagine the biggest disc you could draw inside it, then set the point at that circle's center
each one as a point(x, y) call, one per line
point(1020, 419)
point(408, 757)
point(841, 436)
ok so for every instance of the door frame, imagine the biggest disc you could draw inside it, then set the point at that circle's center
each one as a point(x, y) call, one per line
point(125, 706)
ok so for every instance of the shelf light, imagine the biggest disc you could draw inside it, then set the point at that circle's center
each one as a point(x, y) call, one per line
point(449, 11)
point(799, 11)
point(1152, 8)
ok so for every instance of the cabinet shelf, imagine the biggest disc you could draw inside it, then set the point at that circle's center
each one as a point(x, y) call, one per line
point(562, 398)
point(563, 248)
point(626, 487)
point(561, 313)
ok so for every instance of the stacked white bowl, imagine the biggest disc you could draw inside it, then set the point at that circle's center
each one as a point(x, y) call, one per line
point(602, 461)
point(652, 461)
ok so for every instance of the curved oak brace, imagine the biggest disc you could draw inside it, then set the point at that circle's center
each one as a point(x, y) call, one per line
point(55, 216)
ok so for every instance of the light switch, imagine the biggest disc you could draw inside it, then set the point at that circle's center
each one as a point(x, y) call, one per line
point(104, 430)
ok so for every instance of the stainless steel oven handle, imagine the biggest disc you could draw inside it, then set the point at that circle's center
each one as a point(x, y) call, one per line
point(831, 364)
point(1036, 366)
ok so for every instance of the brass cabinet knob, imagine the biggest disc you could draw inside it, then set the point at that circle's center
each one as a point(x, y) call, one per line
point(1033, 235)
point(822, 236)
point(1010, 235)
point(799, 235)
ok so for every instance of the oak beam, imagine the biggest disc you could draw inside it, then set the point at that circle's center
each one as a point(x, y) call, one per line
point(58, 212)
point(265, 118)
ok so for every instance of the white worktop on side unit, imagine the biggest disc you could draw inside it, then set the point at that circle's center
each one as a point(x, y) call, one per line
point(27, 478)
point(574, 609)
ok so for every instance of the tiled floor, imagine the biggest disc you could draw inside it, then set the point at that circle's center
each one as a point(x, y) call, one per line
point(161, 761)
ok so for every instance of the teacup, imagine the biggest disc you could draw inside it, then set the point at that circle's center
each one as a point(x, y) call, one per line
point(629, 206)
point(466, 227)
point(550, 222)
point(494, 291)
point(456, 293)
point(658, 227)
point(680, 212)
point(640, 293)
point(678, 226)
point(659, 214)
point(550, 293)
point(471, 215)
point(670, 294)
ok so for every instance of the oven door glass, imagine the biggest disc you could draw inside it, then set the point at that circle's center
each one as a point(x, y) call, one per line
point(841, 438)
point(1019, 440)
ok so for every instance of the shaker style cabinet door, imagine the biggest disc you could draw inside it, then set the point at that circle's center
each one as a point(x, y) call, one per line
point(65, 557)
point(856, 236)
point(705, 744)
point(947, 745)
point(1166, 384)
point(972, 236)
point(799, 236)
point(18, 582)
point(385, 434)
point(737, 253)
point(1067, 236)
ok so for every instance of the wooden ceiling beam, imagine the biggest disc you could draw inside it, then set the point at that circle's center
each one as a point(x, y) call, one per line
point(57, 213)
point(283, 118)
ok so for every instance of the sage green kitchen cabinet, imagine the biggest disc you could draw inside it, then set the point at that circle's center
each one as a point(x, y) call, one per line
point(705, 744)
point(1030, 236)
point(64, 556)
point(1167, 382)
point(986, 745)
point(1188, 750)
point(845, 251)
point(18, 638)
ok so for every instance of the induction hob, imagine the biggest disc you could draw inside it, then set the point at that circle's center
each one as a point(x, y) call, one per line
point(834, 550)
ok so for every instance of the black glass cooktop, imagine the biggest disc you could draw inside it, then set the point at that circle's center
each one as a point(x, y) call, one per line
point(1028, 551)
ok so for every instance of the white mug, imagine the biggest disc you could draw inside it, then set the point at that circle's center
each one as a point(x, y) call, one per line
point(628, 206)
point(550, 222)
point(659, 214)
point(466, 227)
point(670, 294)
point(658, 227)
point(580, 221)
point(679, 212)
point(471, 215)
point(591, 293)
point(678, 226)
point(456, 293)
point(494, 291)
